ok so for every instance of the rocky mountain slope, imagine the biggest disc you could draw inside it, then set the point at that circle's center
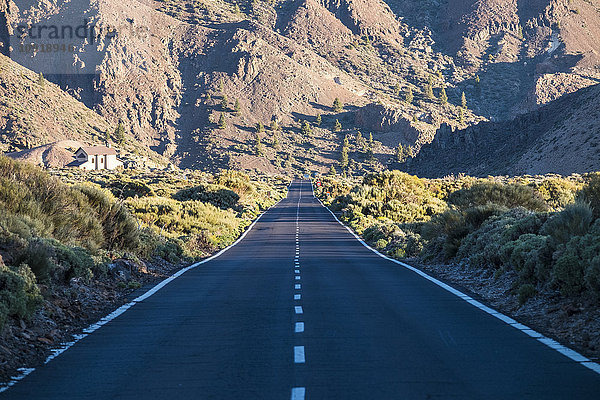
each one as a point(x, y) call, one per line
point(168, 69)
point(562, 137)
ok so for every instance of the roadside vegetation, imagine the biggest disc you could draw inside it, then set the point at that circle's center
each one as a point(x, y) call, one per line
point(544, 231)
point(80, 229)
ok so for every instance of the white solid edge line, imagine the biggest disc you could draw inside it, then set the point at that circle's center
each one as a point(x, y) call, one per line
point(570, 353)
point(298, 393)
point(95, 326)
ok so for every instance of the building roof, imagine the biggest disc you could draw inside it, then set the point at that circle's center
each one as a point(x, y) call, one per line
point(100, 150)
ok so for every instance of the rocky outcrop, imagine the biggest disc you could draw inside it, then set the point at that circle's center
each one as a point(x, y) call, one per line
point(379, 118)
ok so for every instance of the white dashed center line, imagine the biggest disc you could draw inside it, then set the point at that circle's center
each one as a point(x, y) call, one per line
point(298, 393)
point(299, 355)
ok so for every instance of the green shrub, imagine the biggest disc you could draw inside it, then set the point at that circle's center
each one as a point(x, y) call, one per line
point(482, 247)
point(217, 195)
point(574, 220)
point(38, 256)
point(51, 260)
point(453, 226)
point(170, 250)
point(19, 294)
point(590, 193)
point(505, 195)
point(398, 241)
point(557, 192)
point(531, 256)
point(573, 260)
point(23, 226)
point(134, 285)
point(125, 188)
point(381, 244)
point(568, 274)
point(119, 227)
point(592, 276)
point(525, 292)
point(75, 262)
point(237, 181)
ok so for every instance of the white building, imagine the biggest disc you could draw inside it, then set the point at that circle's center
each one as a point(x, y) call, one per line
point(96, 157)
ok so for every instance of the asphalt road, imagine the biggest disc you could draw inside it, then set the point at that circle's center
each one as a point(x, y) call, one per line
point(300, 309)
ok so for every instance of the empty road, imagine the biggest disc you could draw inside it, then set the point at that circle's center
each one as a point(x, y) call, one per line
point(301, 309)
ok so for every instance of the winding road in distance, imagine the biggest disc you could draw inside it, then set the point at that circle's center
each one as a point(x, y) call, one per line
point(301, 309)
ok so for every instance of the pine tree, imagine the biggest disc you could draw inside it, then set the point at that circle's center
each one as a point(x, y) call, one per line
point(477, 79)
point(463, 100)
point(120, 134)
point(409, 96)
point(337, 105)
point(236, 9)
point(306, 130)
point(370, 149)
point(396, 89)
point(318, 120)
point(41, 80)
point(344, 155)
point(429, 89)
point(237, 109)
point(402, 153)
point(274, 126)
point(208, 98)
point(461, 115)
point(221, 85)
point(337, 127)
point(359, 140)
point(107, 136)
point(224, 103)
point(275, 142)
point(222, 122)
point(332, 171)
point(258, 147)
point(443, 96)
point(260, 128)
